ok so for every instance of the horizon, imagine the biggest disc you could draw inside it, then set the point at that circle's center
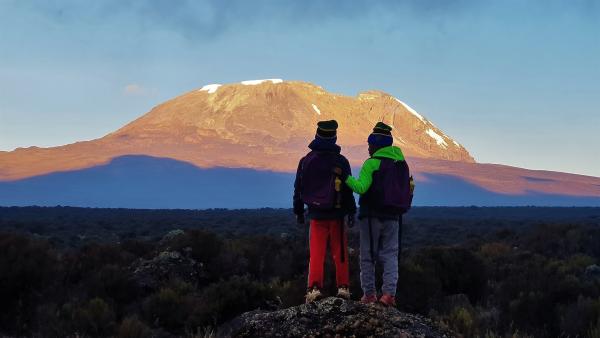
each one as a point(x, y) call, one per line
point(503, 79)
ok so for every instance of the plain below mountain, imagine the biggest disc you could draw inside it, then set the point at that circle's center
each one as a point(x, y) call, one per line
point(150, 182)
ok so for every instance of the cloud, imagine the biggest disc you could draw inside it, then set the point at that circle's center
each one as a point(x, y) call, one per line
point(135, 89)
point(205, 19)
point(209, 19)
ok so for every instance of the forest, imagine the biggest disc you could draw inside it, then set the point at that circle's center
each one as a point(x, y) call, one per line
point(482, 272)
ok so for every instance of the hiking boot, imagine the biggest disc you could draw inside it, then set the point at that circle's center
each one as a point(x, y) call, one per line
point(343, 292)
point(313, 294)
point(388, 300)
point(368, 299)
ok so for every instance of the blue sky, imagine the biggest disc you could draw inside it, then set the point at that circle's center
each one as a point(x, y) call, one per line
point(516, 82)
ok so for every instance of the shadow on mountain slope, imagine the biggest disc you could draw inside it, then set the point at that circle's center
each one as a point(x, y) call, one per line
point(136, 181)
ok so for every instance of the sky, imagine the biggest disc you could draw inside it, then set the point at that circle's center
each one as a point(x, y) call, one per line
point(516, 82)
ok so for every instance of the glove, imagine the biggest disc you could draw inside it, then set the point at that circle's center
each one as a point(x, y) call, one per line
point(339, 172)
point(350, 221)
point(300, 219)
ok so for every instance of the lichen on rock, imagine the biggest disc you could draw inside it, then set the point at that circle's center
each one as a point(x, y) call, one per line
point(333, 317)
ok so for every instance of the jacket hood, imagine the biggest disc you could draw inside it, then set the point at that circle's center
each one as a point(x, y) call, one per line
point(319, 144)
point(392, 152)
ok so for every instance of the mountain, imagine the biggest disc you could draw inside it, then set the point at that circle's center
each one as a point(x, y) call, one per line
point(263, 127)
point(260, 125)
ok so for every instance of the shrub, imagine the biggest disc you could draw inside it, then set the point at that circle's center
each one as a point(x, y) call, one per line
point(27, 268)
point(224, 300)
point(594, 331)
point(418, 285)
point(462, 320)
point(132, 327)
point(458, 270)
point(167, 308)
point(494, 249)
point(96, 318)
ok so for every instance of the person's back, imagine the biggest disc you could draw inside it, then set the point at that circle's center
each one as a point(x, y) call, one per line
point(315, 183)
point(328, 201)
point(389, 194)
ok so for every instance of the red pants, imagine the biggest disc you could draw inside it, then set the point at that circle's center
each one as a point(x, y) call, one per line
point(320, 232)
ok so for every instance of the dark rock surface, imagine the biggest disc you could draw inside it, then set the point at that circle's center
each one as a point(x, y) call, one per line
point(152, 273)
point(333, 317)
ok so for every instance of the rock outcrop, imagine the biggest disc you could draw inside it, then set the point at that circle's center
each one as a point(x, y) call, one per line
point(152, 273)
point(333, 317)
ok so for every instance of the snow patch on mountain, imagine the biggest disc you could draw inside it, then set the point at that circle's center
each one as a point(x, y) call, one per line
point(439, 139)
point(257, 82)
point(316, 109)
point(412, 111)
point(210, 88)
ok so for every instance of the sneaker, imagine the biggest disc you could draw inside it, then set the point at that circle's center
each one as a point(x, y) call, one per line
point(368, 299)
point(343, 292)
point(313, 294)
point(388, 300)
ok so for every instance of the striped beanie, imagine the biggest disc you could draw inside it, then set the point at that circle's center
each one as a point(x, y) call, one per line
point(381, 135)
point(327, 129)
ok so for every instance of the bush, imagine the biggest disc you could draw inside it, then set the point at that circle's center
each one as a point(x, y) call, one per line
point(96, 318)
point(27, 269)
point(579, 316)
point(462, 320)
point(516, 282)
point(168, 308)
point(224, 300)
point(131, 327)
point(418, 285)
point(458, 270)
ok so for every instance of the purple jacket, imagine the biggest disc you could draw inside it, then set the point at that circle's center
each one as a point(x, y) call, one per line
point(348, 202)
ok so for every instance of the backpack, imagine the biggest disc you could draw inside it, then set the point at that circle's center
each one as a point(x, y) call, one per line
point(391, 187)
point(319, 181)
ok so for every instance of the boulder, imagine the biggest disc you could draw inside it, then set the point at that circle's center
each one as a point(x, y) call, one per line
point(151, 273)
point(333, 317)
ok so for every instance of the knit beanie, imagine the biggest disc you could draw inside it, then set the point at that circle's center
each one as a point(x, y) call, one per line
point(381, 135)
point(327, 129)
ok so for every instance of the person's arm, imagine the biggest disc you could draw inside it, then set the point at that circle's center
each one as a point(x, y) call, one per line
point(365, 177)
point(348, 196)
point(298, 202)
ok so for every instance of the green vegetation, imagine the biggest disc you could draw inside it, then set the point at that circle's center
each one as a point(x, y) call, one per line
point(517, 278)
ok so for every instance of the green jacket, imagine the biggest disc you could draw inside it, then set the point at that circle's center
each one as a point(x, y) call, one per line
point(362, 184)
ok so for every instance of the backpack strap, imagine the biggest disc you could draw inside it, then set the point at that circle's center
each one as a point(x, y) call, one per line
point(371, 238)
point(384, 158)
point(342, 242)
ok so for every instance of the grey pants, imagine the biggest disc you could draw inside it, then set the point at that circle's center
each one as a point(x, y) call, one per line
point(384, 234)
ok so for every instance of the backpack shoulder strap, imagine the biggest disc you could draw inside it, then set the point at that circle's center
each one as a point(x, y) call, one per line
point(386, 158)
point(382, 158)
